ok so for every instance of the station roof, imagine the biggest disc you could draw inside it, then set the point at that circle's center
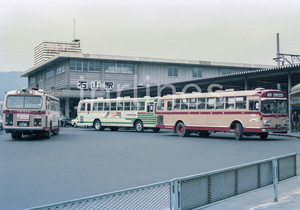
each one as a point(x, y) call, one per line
point(63, 56)
point(267, 78)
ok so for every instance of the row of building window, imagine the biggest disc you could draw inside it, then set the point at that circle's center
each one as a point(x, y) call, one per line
point(83, 65)
point(115, 67)
point(110, 67)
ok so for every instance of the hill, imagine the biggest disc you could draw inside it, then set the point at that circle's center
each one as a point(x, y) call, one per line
point(11, 81)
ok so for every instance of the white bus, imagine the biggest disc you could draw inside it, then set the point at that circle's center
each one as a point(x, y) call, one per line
point(31, 111)
point(251, 112)
point(124, 112)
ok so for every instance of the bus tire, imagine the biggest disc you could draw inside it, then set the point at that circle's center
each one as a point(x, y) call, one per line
point(98, 126)
point(139, 127)
point(19, 135)
point(156, 130)
point(181, 130)
point(13, 135)
point(56, 131)
point(238, 131)
point(47, 134)
point(263, 136)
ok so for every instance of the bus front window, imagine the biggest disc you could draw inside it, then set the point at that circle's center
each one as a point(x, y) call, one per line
point(24, 102)
point(274, 107)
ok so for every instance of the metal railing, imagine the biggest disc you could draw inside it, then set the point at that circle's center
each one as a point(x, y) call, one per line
point(195, 192)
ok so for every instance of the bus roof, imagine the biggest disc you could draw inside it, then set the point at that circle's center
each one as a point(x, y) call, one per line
point(146, 98)
point(32, 91)
point(227, 93)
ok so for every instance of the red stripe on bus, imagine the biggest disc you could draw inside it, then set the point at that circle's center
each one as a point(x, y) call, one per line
point(210, 112)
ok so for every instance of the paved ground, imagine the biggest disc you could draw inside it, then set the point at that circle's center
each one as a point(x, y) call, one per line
point(82, 162)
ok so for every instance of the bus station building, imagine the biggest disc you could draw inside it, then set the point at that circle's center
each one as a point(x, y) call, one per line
point(72, 76)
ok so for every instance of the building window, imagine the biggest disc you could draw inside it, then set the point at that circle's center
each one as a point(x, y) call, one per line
point(173, 71)
point(72, 65)
point(85, 65)
point(197, 72)
point(32, 80)
point(60, 68)
point(94, 65)
point(118, 67)
point(49, 73)
point(226, 71)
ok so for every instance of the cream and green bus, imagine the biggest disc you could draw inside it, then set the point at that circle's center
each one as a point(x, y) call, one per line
point(124, 112)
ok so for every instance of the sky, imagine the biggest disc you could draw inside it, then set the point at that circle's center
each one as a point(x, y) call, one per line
point(236, 31)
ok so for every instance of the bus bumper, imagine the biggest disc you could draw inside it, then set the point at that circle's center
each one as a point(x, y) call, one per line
point(284, 130)
point(16, 129)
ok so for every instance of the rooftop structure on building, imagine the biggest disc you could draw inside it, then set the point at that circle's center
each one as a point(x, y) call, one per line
point(48, 49)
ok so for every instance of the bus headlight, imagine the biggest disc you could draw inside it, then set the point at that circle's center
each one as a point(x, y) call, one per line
point(286, 122)
point(267, 123)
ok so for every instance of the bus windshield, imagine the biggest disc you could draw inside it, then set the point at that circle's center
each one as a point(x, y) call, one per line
point(24, 102)
point(274, 107)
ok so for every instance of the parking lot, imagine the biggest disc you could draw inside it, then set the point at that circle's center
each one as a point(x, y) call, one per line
point(81, 162)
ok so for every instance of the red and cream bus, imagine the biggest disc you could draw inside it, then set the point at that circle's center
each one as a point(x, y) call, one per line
point(32, 111)
point(250, 112)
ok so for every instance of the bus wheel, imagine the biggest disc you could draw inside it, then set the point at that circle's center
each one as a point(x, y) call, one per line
point(156, 130)
point(204, 133)
point(47, 134)
point(56, 131)
point(13, 135)
point(114, 128)
point(98, 126)
point(238, 131)
point(19, 135)
point(181, 131)
point(139, 127)
point(263, 136)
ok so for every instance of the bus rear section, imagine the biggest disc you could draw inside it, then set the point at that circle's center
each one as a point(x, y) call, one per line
point(27, 112)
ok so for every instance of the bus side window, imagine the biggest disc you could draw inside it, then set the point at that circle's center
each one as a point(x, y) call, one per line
point(88, 107)
point(169, 105)
point(141, 106)
point(120, 106)
point(211, 103)
point(133, 106)
point(100, 106)
point(184, 104)
point(94, 106)
point(106, 106)
point(229, 103)
point(113, 106)
point(240, 102)
point(192, 103)
point(201, 103)
point(127, 106)
point(160, 105)
point(220, 103)
point(82, 107)
point(177, 104)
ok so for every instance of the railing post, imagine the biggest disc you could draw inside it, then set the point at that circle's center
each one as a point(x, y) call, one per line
point(175, 202)
point(275, 179)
